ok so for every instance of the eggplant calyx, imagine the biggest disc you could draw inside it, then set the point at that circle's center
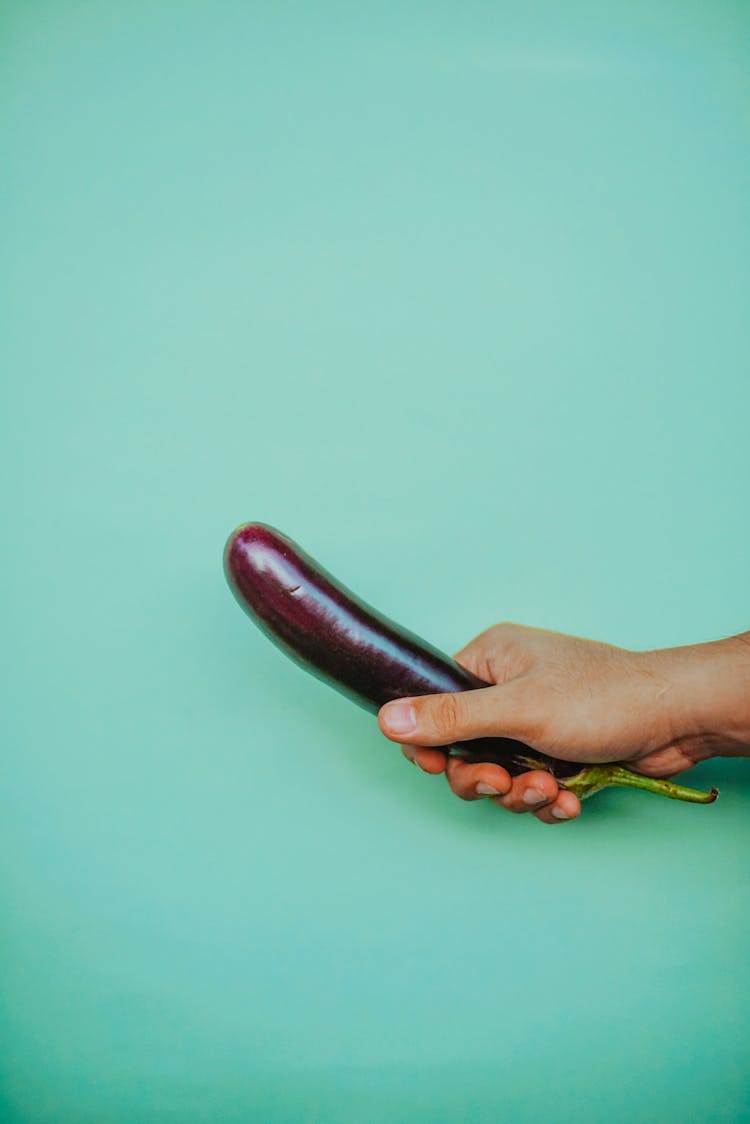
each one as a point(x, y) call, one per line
point(595, 777)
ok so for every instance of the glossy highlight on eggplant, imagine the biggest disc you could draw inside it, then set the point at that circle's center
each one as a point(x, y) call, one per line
point(339, 638)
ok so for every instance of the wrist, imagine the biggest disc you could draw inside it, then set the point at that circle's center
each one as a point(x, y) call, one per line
point(707, 695)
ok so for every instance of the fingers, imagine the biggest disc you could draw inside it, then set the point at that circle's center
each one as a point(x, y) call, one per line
point(539, 793)
point(530, 792)
point(566, 807)
point(490, 651)
point(433, 720)
point(476, 781)
point(428, 760)
point(536, 791)
point(468, 781)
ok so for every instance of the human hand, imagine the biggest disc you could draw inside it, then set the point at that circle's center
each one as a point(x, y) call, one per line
point(576, 700)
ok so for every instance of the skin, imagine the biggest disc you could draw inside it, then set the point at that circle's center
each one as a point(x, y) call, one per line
point(659, 711)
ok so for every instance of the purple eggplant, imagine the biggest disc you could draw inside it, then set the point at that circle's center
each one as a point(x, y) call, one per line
point(336, 636)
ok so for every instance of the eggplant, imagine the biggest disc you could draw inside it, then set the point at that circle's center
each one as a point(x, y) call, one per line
point(343, 641)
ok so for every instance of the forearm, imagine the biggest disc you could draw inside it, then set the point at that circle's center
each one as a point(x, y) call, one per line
point(707, 694)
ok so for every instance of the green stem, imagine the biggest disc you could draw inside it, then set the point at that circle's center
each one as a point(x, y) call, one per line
point(595, 777)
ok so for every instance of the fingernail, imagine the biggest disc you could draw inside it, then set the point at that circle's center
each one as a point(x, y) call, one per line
point(483, 789)
point(533, 796)
point(409, 753)
point(400, 718)
point(559, 814)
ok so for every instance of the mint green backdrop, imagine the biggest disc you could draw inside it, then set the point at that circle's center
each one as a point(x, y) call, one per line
point(456, 296)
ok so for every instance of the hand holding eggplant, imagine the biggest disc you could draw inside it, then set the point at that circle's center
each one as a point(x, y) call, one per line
point(577, 700)
point(567, 710)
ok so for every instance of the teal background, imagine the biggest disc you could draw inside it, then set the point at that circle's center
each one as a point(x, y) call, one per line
point(456, 296)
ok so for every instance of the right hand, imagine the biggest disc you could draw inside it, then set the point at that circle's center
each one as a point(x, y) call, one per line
point(574, 699)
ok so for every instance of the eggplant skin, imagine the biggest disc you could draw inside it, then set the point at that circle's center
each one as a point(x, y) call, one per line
point(340, 639)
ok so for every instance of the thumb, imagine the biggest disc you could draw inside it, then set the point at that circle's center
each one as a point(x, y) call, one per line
point(443, 719)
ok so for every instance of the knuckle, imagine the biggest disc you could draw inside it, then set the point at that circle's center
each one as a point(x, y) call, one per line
point(446, 714)
point(503, 629)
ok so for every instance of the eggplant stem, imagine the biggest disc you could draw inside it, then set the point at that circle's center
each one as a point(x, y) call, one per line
point(595, 777)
